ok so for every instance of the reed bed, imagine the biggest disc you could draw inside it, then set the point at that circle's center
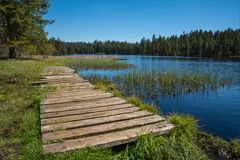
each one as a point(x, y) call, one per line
point(152, 84)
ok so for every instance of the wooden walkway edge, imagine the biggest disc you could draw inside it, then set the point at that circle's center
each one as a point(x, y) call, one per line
point(75, 115)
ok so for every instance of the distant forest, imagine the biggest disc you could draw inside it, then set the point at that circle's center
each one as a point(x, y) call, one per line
point(220, 44)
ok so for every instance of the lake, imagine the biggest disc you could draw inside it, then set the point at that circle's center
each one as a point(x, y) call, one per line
point(218, 112)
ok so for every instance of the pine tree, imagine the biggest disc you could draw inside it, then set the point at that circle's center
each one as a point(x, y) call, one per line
point(196, 43)
point(22, 26)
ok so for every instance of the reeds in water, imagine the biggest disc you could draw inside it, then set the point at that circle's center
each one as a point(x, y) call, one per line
point(149, 85)
point(155, 83)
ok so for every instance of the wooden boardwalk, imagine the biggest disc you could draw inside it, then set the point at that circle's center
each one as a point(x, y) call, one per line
point(75, 115)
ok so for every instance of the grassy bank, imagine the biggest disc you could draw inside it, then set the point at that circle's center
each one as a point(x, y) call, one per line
point(19, 119)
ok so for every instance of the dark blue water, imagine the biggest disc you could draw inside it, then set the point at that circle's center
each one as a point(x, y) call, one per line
point(218, 111)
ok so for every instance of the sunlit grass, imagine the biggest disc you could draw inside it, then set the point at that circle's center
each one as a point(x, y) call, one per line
point(179, 144)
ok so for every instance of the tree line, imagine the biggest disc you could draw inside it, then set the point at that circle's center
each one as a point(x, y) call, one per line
point(197, 43)
point(22, 27)
point(22, 32)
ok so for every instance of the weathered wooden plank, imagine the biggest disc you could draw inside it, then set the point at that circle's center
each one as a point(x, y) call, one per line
point(88, 115)
point(109, 139)
point(65, 82)
point(102, 128)
point(71, 86)
point(59, 73)
point(87, 110)
point(76, 99)
point(80, 94)
point(107, 101)
point(84, 111)
point(61, 76)
point(69, 89)
point(72, 94)
point(75, 84)
point(69, 79)
point(88, 122)
point(81, 106)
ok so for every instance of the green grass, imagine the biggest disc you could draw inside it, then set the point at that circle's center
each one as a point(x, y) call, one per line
point(20, 126)
point(179, 144)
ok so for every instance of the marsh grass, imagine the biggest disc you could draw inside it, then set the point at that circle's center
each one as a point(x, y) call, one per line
point(153, 84)
point(150, 86)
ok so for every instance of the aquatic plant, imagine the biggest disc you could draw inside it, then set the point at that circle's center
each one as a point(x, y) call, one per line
point(152, 84)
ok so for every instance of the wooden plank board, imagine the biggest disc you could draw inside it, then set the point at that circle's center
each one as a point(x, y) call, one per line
point(69, 89)
point(72, 90)
point(73, 94)
point(75, 84)
point(103, 128)
point(87, 110)
point(76, 99)
point(81, 106)
point(66, 83)
point(89, 122)
point(71, 86)
point(72, 104)
point(109, 139)
point(60, 99)
point(88, 115)
point(60, 76)
point(84, 111)
point(69, 80)
point(50, 79)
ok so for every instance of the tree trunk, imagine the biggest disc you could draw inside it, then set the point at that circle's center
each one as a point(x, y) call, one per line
point(12, 52)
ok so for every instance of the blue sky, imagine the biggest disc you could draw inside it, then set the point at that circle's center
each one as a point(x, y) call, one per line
point(130, 20)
